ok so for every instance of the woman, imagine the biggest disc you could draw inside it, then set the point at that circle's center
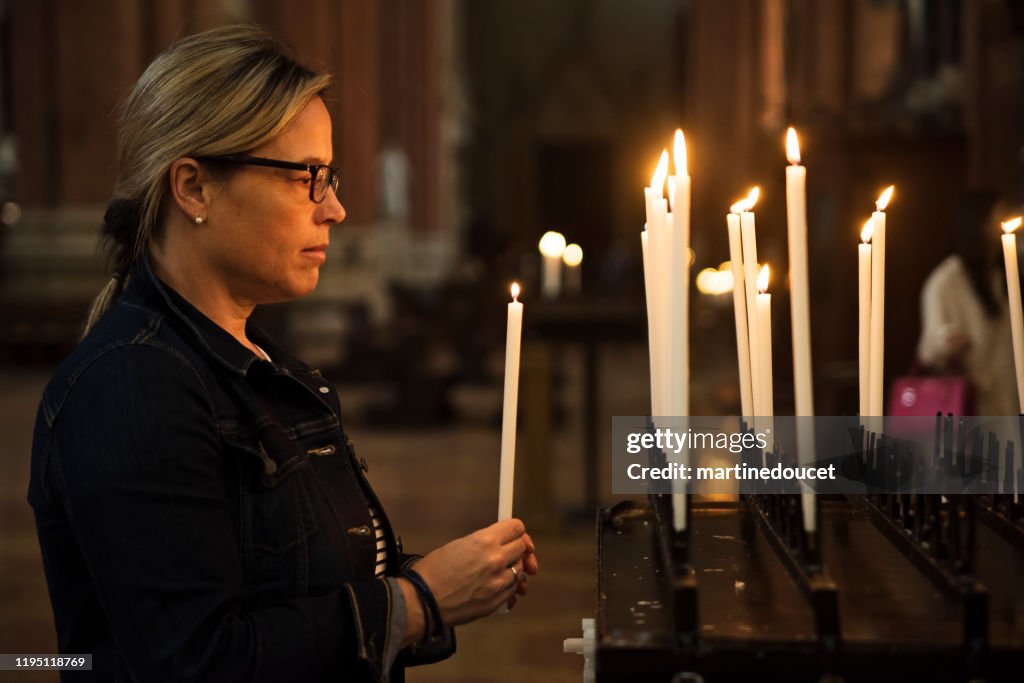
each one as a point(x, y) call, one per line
point(201, 512)
point(965, 318)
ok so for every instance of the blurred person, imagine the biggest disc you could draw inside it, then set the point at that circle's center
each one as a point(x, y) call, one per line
point(965, 317)
point(201, 512)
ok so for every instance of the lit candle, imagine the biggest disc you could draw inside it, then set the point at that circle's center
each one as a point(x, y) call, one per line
point(749, 243)
point(679, 284)
point(660, 252)
point(739, 301)
point(1016, 317)
point(796, 220)
point(800, 313)
point(864, 320)
point(552, 246)
point(877, 362)
point(513, 338)
point(679, 201)
point(572, 257)
point(764, 355)
point(660, 255)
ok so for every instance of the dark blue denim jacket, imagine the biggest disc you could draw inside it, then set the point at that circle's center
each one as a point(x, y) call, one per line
point(201, 512)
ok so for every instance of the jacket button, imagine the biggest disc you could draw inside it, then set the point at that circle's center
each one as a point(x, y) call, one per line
point(363, 530)
point(363, 466)
point(324, 390)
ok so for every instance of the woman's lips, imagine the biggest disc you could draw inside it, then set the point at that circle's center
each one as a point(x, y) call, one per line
point(317, 253)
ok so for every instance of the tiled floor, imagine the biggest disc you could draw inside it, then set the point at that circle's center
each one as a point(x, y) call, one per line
point(436, 485)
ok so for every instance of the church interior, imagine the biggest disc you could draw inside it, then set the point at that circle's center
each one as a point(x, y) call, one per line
point(465, 130)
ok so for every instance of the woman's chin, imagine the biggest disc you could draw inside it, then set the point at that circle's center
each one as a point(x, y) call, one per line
point(296, 287)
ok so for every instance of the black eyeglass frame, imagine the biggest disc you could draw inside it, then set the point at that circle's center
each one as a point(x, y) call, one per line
point(333, 174)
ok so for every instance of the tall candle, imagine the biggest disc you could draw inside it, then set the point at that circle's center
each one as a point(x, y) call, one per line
point(800, 314)
point(796, 221)
point(679, 199)
point(764, 356)
point(864, 319)
point(739, 302)
point(877, 361)
point(513, 339)
point(749, 243)
point(1016, 317)
point(660, 253)
point(679, 283)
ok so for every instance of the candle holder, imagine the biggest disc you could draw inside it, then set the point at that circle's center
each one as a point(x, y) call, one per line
point(673, 547)
point(937, 533)
point(776, 509)
point(647, 599)
point(647, 588)
point(997, 509)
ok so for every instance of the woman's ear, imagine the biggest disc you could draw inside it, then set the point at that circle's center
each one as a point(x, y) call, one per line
point(189, 186)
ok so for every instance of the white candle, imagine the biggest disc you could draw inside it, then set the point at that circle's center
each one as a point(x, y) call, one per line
point(764, 355)
point(660, 253)
point(679, 283)
point(572, 257)
point(679, 199)
point(513, 339)
point(749, 243)
point(739, 301)
point(552, 246)
point(652, 336)
point(877, 362)
point(796, 221)
point(1016, 317)
point(864, 319)
point(800, 313)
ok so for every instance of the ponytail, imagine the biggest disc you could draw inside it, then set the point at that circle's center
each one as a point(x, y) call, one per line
point(119, 239)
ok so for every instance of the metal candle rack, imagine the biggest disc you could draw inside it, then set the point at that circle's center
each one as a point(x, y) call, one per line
point(645, 565)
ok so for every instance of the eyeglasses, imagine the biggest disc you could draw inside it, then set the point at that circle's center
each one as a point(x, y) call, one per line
point(321, 176)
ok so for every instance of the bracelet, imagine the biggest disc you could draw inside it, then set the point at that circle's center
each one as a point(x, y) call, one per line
point(433, 612)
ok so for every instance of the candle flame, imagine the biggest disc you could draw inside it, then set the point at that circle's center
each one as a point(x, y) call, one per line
point(1011, 225)
point(658, 179)
point(883, 200)
point(679, 153)
point(867, 231)
point(573, 255)
point(747, 203)
point(792, 147)
point(752, 197)
point(762, 279)
point(515, 291)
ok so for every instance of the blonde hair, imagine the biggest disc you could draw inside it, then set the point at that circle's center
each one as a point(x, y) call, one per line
point(223, 91)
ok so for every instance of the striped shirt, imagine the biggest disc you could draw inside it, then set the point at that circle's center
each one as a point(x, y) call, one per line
point(378, 535)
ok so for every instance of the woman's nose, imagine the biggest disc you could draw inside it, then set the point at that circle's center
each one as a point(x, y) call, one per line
point(333, 211)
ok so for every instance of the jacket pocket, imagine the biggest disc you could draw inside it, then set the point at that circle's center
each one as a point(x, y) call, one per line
point(277, 511)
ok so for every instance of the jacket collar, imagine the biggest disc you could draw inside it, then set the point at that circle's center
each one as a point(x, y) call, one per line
point(143, 284)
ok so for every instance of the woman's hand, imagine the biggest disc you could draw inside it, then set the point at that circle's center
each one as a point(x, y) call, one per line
point(530, 566)
point(471, 576)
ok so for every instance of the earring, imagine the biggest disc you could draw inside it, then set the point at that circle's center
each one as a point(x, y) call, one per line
point(199, 220)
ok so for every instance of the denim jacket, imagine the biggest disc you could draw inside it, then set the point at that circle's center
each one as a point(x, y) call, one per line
point(202, 514)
